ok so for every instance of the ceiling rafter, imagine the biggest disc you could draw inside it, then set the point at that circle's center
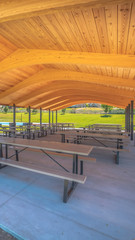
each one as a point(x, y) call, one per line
point(84, 101)
point(61, 85)
point(47, 76)
point(14, 10)
point(43, 102)
point(26, 57)
point(77, 98)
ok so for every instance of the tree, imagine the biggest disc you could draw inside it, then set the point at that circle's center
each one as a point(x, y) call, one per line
point(63, 111)
point(34, 111)
point(5, 109)
point(107, 108)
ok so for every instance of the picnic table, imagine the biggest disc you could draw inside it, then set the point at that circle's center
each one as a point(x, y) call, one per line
point(112, 127)
point(91, 135)
point(102, 131)
point(56, 147)
point(78, 137)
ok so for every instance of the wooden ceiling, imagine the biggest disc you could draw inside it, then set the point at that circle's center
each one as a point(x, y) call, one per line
point(54, 54)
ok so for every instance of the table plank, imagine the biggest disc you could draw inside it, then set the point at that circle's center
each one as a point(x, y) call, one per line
point(96, 135)
point(47, 145)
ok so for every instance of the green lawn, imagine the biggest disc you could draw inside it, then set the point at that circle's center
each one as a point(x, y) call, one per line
point(80, 120)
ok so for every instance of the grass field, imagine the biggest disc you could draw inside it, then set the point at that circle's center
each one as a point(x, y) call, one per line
point(80, 120)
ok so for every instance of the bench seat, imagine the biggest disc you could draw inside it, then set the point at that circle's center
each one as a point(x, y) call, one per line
point(66, 176)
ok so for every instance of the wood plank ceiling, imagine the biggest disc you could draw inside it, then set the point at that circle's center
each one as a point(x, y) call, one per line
point(54, 54)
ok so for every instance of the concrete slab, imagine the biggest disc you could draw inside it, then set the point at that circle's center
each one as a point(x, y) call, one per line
point(101, 209)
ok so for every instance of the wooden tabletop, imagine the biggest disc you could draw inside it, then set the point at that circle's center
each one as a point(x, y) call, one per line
point(94, 135)
point(49, 146)
point(105, 131)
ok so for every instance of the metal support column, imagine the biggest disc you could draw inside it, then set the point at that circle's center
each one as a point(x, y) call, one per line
point(53, 126)
point(52, 117)
point(132, 121)
point(29, 111)
point(126, 119)
point(129, 117)
point(14, 115)
point(56, 120)
point(40, 119)
point(49, 118)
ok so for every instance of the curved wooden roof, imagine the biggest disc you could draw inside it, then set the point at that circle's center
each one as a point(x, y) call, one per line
point(54, 54)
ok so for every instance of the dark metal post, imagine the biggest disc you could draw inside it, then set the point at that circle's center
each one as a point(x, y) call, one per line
point(52, 117)
point(40, 119)
point(29, 111)
point(49, 118)
point(53, 125)
point(132, 120)
point(14, 115)
point(129, 117)
point(56, 120)
point(125, 119)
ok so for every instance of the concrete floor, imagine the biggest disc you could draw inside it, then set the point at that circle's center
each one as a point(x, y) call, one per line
point(102, 209)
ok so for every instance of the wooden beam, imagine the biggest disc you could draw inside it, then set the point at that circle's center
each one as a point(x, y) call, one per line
point(27, 57)
point(61, 85)
point(69, 94)
point(13, 10)
point(79, 94)
point(80, 102)
point(48, 76)
point(71, 102)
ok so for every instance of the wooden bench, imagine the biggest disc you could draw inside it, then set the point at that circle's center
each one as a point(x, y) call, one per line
point(112, 127)
point(66, 176)
point(115, 150)
point(55, 147)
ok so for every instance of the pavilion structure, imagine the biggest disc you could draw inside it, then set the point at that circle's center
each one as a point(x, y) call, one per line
point(54, 54)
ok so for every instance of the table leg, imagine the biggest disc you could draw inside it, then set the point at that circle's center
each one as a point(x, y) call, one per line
point(81, 167)
point(117, 154)
point(6, 149)
point(1, 155)
point(63, 138)
point(16, 152)
point(1, 152)
point(65, 194)
point(76, 164)
point(117, 157)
